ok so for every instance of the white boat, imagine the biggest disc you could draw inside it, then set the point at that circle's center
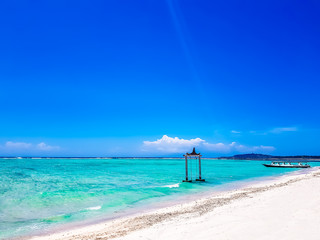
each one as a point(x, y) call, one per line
point(283, 164)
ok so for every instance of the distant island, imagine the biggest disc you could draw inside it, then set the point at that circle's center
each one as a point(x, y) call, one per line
point(255, 156)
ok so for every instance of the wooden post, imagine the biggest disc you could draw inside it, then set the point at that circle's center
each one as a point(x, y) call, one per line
point(200, 179)
point(187, 177)
point(186, 157)
point(199, 167)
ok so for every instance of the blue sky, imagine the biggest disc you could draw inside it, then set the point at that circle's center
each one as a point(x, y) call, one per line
point(154, 78)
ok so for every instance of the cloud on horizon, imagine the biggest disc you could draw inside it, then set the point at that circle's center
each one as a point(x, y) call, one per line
point(45, 147)
point(26, 148)
point(17, 145)
point(177, 145)
point(171, 145)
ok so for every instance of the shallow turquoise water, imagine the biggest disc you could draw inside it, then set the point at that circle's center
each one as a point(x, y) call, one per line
point(37, 194)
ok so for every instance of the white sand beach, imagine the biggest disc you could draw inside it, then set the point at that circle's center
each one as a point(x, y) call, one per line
point(284, 208)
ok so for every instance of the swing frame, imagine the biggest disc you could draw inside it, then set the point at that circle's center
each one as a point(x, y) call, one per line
point(190, 156)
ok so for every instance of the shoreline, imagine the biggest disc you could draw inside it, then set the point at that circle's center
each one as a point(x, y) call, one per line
point(122, 226)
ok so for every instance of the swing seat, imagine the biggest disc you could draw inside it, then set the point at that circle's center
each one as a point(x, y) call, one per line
point(200, 180)
point(186, 180)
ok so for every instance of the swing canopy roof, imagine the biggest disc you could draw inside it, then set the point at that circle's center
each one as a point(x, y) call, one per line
point(193, 153)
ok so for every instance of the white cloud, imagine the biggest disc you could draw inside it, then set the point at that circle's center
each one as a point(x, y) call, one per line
point(236, 147)
point(171, 145)
point(26, 148)
point(283, 129)
point(236, 132)
point(17, 145)
point(277, 130)
point(176, 145)
point(218, 147)
point(44, 147)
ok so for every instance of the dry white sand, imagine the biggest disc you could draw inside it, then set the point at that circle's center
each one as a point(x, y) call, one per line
point(284, 208)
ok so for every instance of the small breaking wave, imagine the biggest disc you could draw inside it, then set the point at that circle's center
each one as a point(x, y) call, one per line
point(173, 185)
point(94, 208)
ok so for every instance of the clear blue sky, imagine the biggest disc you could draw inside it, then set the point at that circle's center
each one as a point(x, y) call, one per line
point(110, 78)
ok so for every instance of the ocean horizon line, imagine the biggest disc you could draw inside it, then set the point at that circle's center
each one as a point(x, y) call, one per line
point(315, 158)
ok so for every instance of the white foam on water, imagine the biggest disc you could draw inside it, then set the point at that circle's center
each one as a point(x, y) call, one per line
point(94, 208)
point(173, 185)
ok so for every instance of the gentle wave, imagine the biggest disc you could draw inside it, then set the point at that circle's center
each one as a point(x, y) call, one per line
point(94, 208)
point(173, 185)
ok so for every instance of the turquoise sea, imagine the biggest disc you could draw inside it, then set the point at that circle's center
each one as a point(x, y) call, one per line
point(38, 195)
